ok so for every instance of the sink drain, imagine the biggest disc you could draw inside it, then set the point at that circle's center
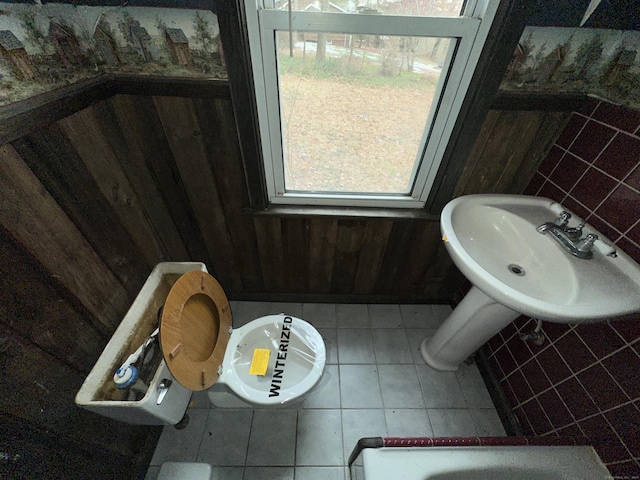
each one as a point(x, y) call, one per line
point(517, 270)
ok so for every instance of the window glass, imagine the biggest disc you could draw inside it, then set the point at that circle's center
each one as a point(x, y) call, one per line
point(426, 8)
point(354, 109)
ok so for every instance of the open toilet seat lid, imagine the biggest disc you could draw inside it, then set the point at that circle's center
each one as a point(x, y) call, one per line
point(195, 329)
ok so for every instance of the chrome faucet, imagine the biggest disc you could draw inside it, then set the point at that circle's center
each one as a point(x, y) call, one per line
point(569, 237)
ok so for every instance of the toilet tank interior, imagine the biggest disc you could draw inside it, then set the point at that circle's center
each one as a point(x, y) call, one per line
point(145, 325)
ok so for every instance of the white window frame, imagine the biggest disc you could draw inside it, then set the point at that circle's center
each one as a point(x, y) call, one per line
point(470, 30)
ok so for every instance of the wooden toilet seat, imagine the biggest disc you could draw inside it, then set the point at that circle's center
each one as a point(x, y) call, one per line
point(195, 329)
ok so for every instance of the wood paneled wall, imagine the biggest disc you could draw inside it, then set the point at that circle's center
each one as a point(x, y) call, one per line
point(91, 202)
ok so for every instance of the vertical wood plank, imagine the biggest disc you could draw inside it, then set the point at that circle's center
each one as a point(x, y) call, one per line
point(374, 245)
point(296, 261)
point(183, 132)
point(417, 266)
point(345, 262)
point(143, 127)
point(56, 164)
point(521, 143)
point(32, 217)
point(495, 155)
point(272, 255)
point(31, 306)
point(548, 129)
point(217, 122)
point(85, 133)
point(131, 158)
point(322, 246)
point(391, 277)
point(476, 152)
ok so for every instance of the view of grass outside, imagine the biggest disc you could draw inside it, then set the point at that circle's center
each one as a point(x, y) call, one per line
point(353, 121)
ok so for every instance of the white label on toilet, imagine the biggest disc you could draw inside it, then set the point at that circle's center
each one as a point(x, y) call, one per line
point(281, 357)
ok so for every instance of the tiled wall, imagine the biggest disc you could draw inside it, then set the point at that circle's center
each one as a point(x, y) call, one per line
point(585, 379)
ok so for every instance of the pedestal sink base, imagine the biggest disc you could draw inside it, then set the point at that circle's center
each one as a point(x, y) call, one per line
point(471, 324)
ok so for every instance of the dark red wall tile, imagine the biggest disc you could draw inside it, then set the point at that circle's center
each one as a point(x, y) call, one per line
point(508, 391)
point(549, 190)
point(628, 328)
point(621, 208)
point(573, 127)
point(571, 431)
point(519, 350)
point(574, 352)
point(505, 359)
point(577, 208)
point(568, 172)
point(589, 106)
point(591, 141)
point(605, 441)
point(555, 409)
point(520, 386)
point(536, 377)
point(617, 116)
point(626, 423)
point(553, 365)
point(629, 248)
point(593, 188)
point(601, 338)
point(633, 180)
point(576, 399)
point(628, 469)
point(601, 387)
point(508, 331)
point(524, 421)
point(623, 367)
point(620, 156)
point(553, 331)
point(551, 161)
point(495, 343)
point(634, 234)
point(536, 417)
point(534, 184)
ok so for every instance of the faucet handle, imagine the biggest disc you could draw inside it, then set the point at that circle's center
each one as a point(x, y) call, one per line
point(563, 219)
point(575, 232)
point(586, 244)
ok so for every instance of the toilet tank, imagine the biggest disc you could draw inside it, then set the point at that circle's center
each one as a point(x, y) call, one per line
point(98, 392)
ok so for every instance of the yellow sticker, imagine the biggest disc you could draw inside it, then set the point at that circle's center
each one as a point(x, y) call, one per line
point(260, 361)
point(444, 238)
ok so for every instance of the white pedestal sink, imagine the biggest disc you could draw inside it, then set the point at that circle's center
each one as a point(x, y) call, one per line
point(516, 270)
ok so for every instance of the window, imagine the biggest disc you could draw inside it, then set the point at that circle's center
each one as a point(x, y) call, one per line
point(356, 104)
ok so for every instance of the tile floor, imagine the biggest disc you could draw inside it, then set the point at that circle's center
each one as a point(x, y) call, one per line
point(375, 384)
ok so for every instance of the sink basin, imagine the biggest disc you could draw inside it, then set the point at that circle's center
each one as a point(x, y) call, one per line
point(493, 240)
point(516, 270)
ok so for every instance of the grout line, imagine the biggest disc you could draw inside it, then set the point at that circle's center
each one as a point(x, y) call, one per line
point(635, 133)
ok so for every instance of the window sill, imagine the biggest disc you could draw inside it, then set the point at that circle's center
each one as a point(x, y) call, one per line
point(344, 212)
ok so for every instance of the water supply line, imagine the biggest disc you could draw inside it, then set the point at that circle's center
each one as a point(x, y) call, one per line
point(536, 336)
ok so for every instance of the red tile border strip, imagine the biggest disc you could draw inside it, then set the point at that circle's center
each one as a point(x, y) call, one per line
point(483, 441)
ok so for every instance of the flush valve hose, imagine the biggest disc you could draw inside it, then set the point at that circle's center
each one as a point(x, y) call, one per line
point(127, 374)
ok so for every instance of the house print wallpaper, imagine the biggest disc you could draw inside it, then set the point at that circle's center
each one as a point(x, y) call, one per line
point(43, 47)
point(600, 62)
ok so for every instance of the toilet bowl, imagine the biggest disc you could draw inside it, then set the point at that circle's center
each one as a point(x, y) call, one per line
point(271, 361)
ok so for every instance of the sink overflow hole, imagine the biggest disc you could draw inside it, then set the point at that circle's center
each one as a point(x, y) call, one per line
point(517, 270)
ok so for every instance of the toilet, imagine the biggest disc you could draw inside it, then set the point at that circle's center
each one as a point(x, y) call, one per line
point(271, 361)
